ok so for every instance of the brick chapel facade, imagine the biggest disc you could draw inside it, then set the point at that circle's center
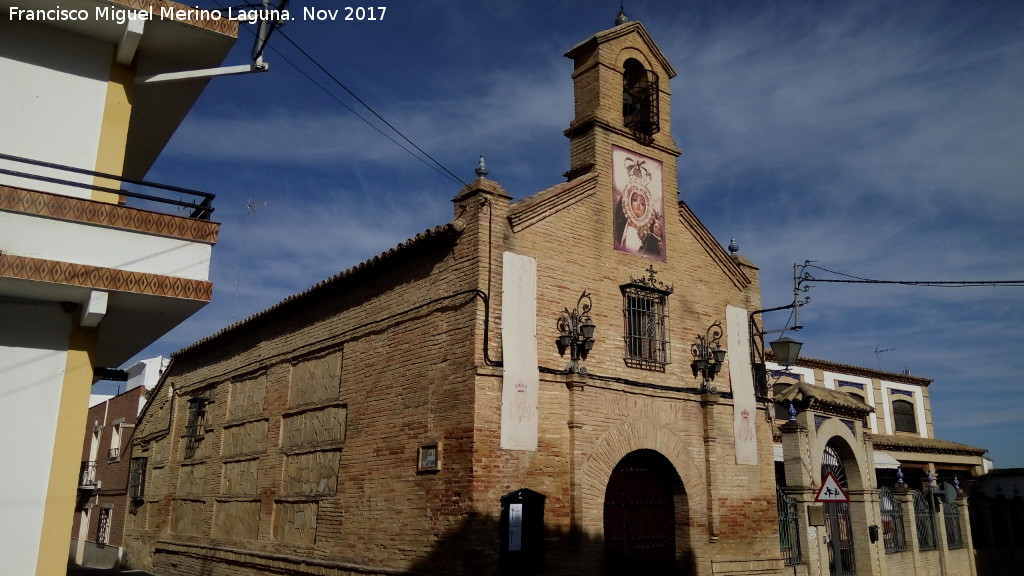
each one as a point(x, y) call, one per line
point(437, 409)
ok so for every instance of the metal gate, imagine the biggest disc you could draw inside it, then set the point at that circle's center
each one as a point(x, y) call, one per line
point(639, 517)
point(789, 528)
point(841, 560)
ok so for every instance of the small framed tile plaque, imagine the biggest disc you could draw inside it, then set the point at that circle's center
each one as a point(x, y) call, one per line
point(429, 458)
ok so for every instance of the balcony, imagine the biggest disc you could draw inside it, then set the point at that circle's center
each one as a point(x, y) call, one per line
point(87, 477)
point(68, 181)
point(135, 255)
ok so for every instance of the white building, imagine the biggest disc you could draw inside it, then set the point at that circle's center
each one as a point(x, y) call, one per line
point(88, 278)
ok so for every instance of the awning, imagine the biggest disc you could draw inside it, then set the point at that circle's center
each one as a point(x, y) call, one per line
point(777, 451)
point(885, 461)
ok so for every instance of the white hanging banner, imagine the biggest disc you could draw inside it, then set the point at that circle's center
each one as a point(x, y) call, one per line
point(742, 378)
point(521, 382)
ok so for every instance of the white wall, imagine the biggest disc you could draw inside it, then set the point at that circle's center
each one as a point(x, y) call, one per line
point(146, 372)
point(53, 96)
point(916, 396)
point(832, 380)
point(33, 354)
point(63, 241)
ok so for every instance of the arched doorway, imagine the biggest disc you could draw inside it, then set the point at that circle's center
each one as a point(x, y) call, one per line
point(838, 529)
point(643, 506)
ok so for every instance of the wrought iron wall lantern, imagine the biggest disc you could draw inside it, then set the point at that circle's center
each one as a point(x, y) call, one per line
point(577, 333)
point(708, 356)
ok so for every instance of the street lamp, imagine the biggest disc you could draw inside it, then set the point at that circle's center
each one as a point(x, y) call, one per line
point(708, 356)
point(576, 331)
point(786, 351)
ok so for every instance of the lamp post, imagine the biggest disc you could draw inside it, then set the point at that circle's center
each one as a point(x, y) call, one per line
point(786, 350)
point(708, 356)
point(576, 331)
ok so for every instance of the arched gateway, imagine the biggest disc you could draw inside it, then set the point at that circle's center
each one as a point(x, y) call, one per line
point(643, 507)
point(838, 529)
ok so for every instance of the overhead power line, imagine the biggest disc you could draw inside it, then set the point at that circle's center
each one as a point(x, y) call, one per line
point(851, 279)
point(426, 158)
point(368, 107)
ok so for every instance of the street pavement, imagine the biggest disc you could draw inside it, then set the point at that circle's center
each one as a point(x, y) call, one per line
point(80, 571)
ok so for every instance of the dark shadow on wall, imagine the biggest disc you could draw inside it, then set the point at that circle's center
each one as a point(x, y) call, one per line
point(475, 549)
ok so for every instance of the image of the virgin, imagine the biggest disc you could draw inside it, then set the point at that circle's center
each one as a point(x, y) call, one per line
point(635, 210)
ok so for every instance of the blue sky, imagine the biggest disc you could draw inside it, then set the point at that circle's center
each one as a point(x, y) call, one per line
point(880, 139)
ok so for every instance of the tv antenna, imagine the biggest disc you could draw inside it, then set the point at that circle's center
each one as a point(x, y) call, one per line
point(878, 353)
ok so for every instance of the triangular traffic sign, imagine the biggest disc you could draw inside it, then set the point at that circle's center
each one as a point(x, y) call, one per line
point(831, 490)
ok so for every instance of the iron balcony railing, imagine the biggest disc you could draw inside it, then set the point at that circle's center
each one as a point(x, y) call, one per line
point(87, 476)
point(198, 205)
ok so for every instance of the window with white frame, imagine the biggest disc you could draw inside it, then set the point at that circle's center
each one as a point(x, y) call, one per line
point(114, 454)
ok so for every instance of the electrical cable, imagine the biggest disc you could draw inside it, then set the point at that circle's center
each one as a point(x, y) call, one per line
point(368, 107)
point(851, 279)
point(436, 166)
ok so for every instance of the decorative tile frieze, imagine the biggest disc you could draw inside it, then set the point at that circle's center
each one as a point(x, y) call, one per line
point(106, 214)
point(55, 272)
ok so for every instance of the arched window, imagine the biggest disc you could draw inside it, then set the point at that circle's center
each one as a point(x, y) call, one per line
point(640, 99)
point(903, 416)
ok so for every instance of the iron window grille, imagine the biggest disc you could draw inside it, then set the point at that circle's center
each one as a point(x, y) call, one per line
point(640, 100)
point(893, 532)
point(645, 324)
point(903, 416)
point(925, 522)
point(103, 528)
point(194, 426)
point(137, 479)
